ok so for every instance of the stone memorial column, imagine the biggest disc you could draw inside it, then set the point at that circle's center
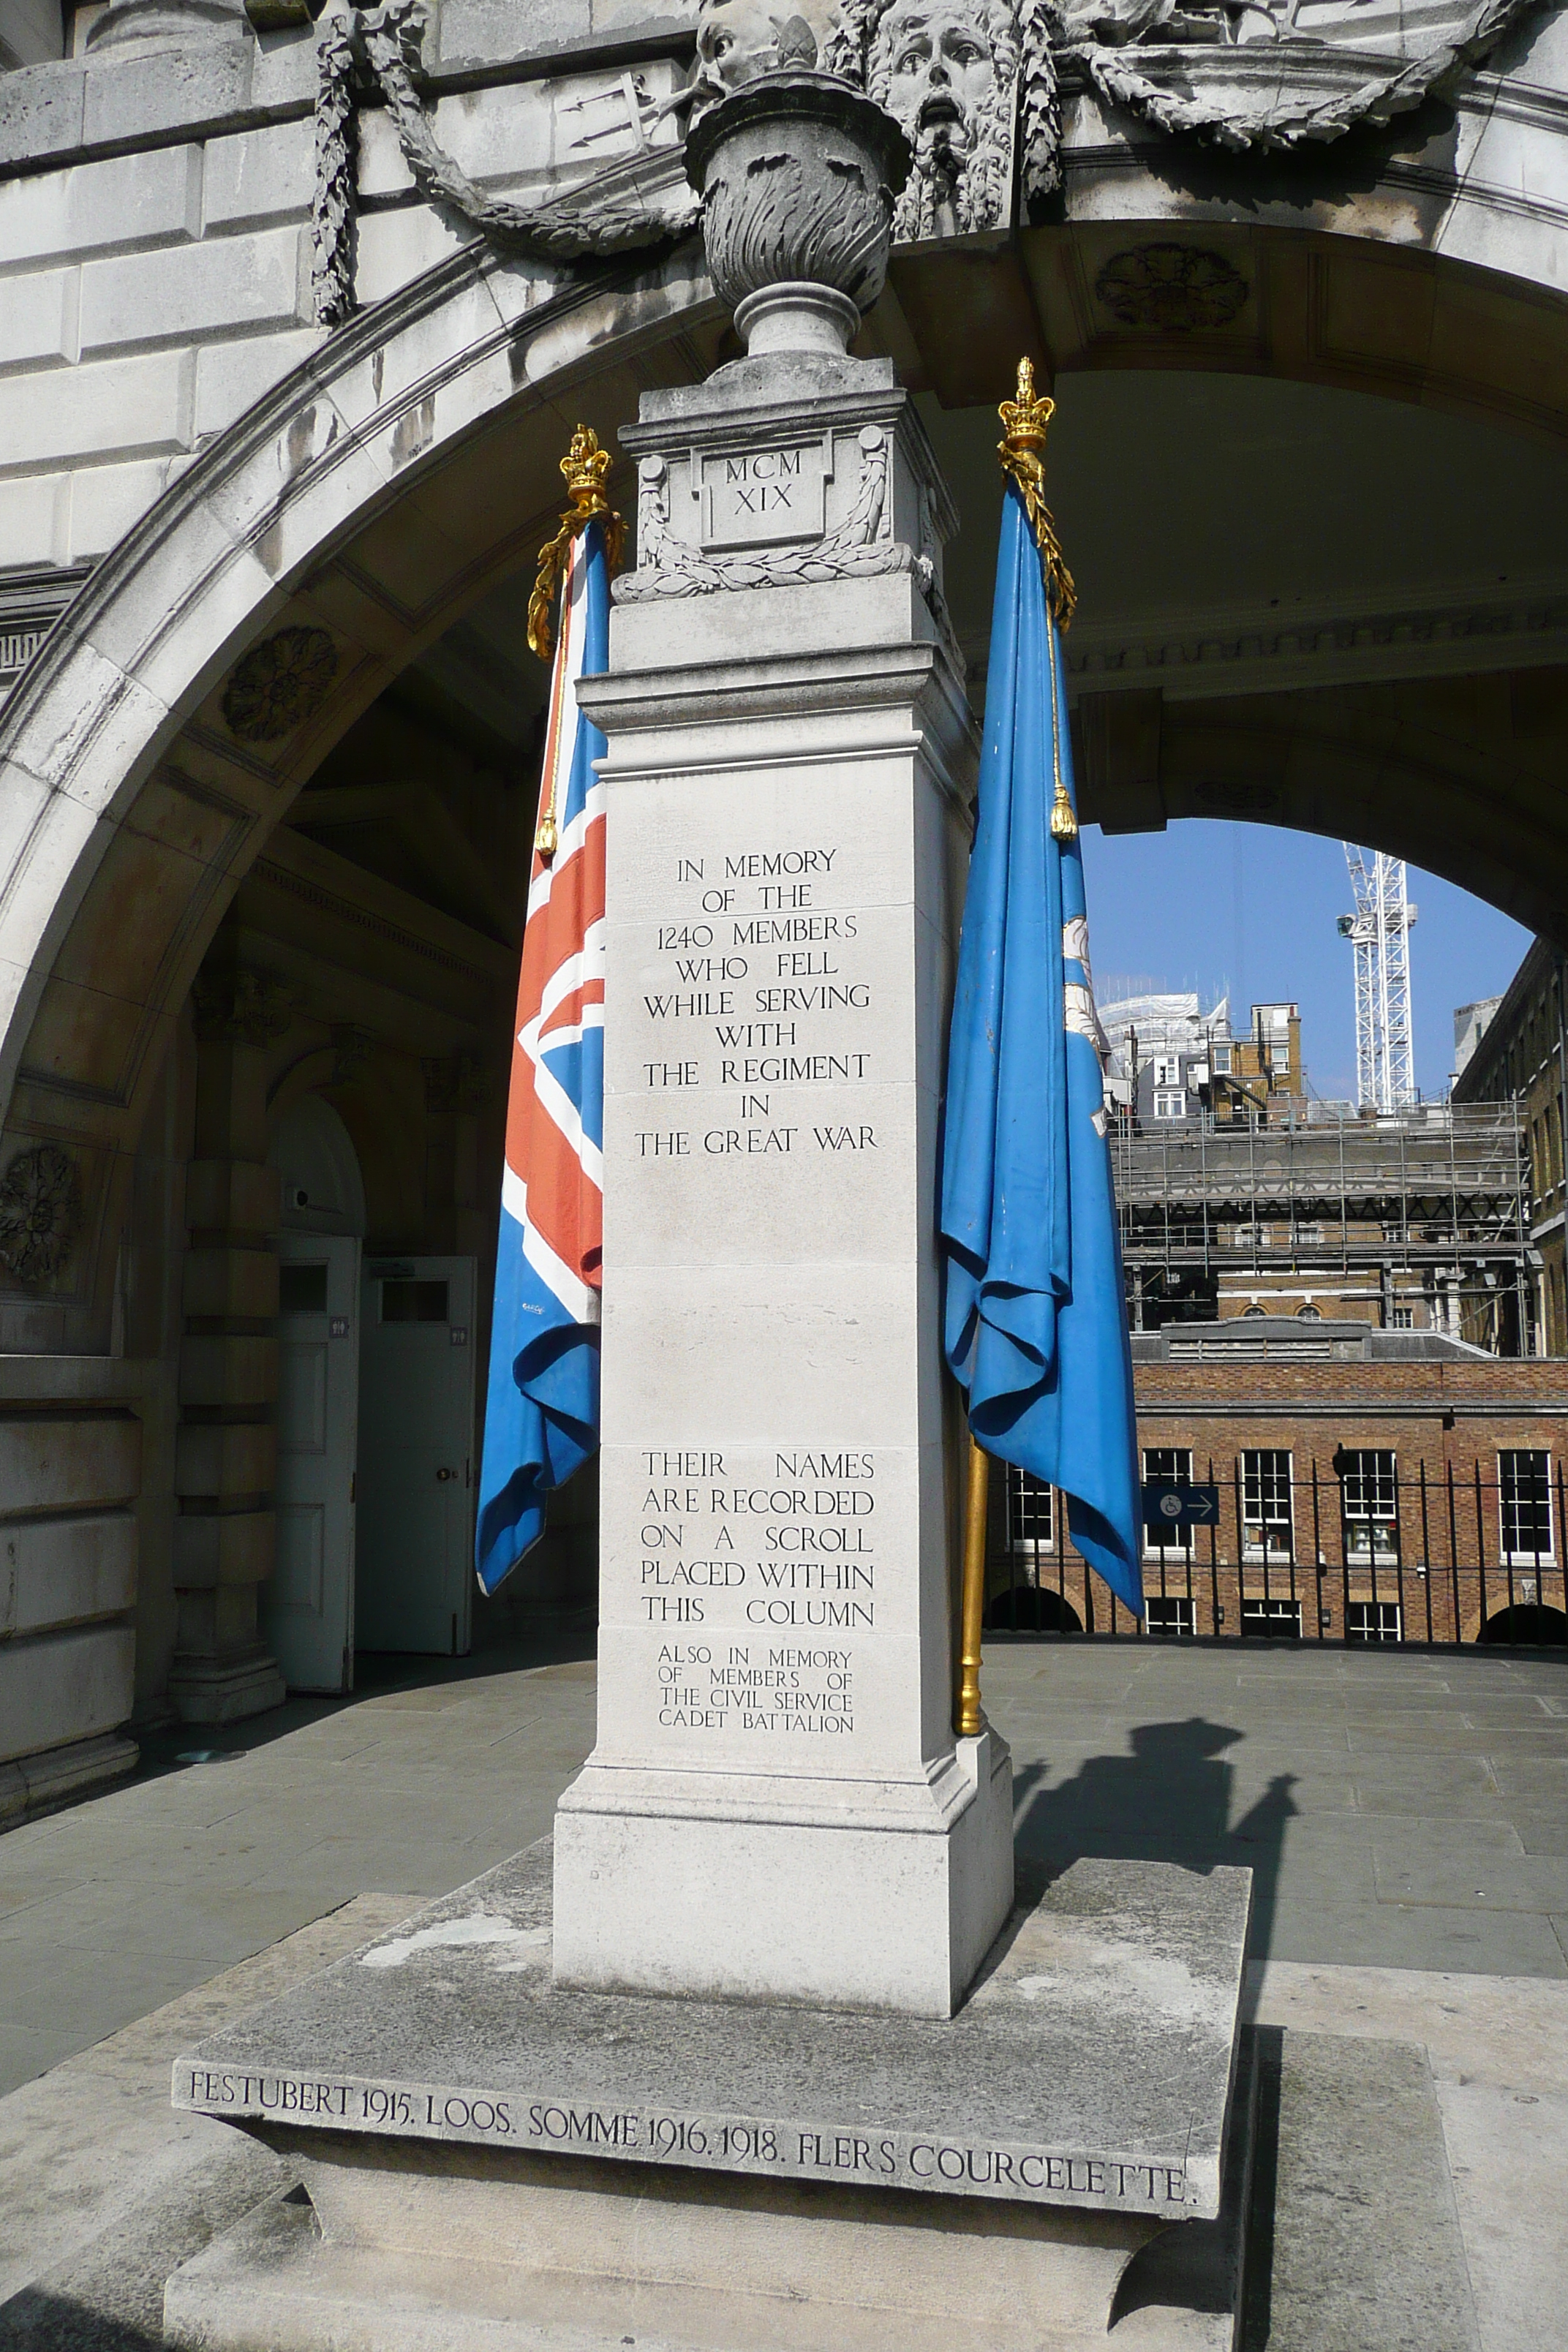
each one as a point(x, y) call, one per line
point(776, 1806)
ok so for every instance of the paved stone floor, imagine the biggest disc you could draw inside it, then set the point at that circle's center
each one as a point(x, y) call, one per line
point(1400, 1811)
point(1406, 1817)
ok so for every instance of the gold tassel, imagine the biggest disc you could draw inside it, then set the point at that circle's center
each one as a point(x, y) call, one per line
point(584, 466)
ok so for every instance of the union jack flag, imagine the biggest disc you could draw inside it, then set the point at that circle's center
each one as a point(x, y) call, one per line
point(541, 1417)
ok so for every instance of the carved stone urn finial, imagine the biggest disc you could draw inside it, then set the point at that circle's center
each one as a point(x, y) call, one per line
point(799, 175)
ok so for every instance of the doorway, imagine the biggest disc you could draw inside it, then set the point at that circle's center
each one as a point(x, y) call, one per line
point(308, 1605)
point(417, 1455)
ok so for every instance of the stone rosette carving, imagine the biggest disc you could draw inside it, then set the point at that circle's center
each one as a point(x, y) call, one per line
point(1177, 289)
point(855, 550)
point(40, 1210)
point(241, 1006)
point(280, 684)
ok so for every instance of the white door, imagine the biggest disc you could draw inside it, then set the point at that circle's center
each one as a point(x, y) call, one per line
point(415, 1454)
point(308, 1606)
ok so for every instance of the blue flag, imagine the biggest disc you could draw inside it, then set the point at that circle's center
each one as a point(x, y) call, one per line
point(1036, 1313)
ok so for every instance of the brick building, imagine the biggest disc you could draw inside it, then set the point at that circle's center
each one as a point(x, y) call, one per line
point(1372, 1486)
point(1518, 1059)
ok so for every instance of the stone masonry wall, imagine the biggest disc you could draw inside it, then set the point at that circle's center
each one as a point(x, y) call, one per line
point(154, 230)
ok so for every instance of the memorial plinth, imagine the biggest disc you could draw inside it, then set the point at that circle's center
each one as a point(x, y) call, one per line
point(776, 1807)
point(494, 2162)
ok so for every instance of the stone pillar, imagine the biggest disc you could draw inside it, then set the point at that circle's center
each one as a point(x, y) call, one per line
point(226, 1451)
point(776, 1806)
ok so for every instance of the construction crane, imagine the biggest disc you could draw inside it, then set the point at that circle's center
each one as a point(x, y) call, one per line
point(1379, 932)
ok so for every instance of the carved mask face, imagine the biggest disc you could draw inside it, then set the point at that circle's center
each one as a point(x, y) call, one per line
point(736, 40)
point(941, 71)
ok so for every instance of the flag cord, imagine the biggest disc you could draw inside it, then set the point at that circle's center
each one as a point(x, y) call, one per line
point(968, 1717)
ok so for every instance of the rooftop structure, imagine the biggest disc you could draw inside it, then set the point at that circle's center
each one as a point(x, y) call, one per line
point(1417, 1223)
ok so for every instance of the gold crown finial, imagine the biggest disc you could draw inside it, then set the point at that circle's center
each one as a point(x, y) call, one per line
point(1024, 423)
point(1025, 418)
point(585, 466)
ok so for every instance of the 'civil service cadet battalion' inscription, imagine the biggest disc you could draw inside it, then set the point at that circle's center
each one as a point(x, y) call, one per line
point(764, 1003)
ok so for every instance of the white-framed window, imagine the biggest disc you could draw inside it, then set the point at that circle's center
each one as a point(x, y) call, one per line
point(1170, 1103)
point(1282, 1620)
point(1167, 1069)
point(1402, 1318)
point(1524, 1506)
point(1267, 1526)
point(1031, 1514)
point(1374, 1620)
point(1309, 1237)
point(1171, 1618)
point(1171, 1465)
point(1369, 1499)
point(1222, 1061)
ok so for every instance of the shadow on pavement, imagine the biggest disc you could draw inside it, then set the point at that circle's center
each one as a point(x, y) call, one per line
point(542, 1636)
point(1170, 1800)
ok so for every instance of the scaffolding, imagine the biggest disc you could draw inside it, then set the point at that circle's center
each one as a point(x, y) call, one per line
point(1436, 1200)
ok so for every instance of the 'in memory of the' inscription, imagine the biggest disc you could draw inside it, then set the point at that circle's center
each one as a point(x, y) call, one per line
point(762, 1573)
point(763, 1001)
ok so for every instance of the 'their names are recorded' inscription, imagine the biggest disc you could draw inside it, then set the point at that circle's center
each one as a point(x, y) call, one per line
point(772, 1558)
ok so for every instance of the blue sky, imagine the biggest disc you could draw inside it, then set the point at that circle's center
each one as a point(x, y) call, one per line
point(1207, 905)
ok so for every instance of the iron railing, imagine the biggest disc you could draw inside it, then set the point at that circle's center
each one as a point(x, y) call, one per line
point(1438, 1557)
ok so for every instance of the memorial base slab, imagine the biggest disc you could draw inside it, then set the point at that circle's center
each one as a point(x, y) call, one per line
point(492, 2160)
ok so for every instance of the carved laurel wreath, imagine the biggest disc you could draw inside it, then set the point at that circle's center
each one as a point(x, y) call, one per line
point(40, 1206)
point(627, 207)
point(673, 567)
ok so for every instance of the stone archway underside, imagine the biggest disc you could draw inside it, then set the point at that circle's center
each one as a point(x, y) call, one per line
point(379, 491)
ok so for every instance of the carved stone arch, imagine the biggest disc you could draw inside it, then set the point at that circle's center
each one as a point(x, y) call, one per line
point(287, 575)
point(333, 532)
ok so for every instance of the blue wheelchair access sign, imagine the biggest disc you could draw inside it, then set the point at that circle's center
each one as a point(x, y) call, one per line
point(1167, 1505)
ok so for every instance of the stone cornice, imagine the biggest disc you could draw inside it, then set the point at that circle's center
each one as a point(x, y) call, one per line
point(1196, 654)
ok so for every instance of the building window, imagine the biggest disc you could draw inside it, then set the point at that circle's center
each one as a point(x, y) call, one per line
point(1169, 1103)
point(1265, 1527)
point(1279, 1619)
point(1168, 1466)
point(1402, 1318)
point(1308, 1237)
point(1222, 1061)
point(1031, 1513)
point(1172, 1619)
point(1374, 1620)
point(1524, 1498)
point(1167, 1069)
point(1368, 1501)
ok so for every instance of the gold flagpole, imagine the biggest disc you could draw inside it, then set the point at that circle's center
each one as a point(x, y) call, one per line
point(968, 1718)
